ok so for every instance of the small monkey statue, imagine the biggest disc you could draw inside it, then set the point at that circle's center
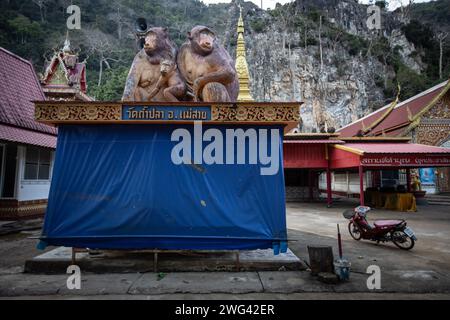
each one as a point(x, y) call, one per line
point(169, 82)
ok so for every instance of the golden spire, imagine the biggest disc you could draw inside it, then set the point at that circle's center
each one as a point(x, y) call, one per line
point(241, 63)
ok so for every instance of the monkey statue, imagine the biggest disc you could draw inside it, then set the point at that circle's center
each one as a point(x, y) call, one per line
point(207, 67)
point(169, 82)
point(145, 72)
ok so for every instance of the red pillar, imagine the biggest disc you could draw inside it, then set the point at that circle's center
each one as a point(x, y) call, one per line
point(408, 180)
point(329, 197)
point(361, 185)
point(310, 184)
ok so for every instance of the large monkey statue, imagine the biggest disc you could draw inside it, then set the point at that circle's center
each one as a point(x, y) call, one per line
point(145, 72)
point(207, 67)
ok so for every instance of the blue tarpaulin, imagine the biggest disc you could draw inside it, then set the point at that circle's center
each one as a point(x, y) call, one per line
point(116, 187)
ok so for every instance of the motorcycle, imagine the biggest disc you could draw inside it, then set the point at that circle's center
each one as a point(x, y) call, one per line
point(381, 230)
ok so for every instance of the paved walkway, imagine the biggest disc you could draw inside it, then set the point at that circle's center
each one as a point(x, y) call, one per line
point(417, 274)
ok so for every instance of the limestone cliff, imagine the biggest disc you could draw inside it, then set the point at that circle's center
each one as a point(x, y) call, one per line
point(321, 52)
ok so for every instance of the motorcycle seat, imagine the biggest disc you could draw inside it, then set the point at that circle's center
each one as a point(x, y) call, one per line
point(387, 223)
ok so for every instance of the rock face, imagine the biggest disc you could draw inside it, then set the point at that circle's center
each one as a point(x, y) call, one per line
point(301, 60)
point(336, 93)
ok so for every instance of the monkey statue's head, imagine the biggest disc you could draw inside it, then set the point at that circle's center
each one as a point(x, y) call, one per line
point(202, 39)
point(167, 66)
point(156, 40)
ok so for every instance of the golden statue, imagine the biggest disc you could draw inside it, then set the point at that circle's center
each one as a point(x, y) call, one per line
point(241, 63)
point(415, 183)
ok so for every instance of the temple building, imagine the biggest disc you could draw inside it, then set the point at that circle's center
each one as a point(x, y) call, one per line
point(425, 118)
point(65, 76)
point(373, 158)
point(26, 146)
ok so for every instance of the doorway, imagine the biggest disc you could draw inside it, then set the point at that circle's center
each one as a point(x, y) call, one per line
point(8, 163)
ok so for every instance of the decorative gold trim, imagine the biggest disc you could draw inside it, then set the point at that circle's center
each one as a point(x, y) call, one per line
point(385, 114)
point(57, 112)
point(416, 120)
point(256, 113)
point(432, 134)
point(349, 149)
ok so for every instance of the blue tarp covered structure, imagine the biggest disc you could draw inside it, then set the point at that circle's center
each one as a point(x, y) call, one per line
point(116, 187)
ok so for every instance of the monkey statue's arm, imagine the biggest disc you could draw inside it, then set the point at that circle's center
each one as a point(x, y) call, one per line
point(181, 65)
point(224, 75)
point(129, 93)
point(162, 79)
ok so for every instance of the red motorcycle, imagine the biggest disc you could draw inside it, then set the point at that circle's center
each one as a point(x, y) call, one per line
point(381, 231)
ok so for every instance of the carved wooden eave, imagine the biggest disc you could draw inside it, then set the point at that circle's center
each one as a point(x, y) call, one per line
point(434, 128)
point(73, 112)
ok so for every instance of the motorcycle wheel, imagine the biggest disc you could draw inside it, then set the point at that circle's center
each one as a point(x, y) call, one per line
point(402, 240)
point(354, 231)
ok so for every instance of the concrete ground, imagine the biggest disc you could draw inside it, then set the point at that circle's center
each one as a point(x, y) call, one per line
point(422, 273)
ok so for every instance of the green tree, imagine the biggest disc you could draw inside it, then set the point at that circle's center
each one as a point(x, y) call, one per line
point(25, 29)
point(112, 88)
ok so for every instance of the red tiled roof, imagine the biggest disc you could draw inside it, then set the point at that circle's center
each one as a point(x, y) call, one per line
point(24, 136)
point(398, 148)
point(399, 117)
point(19, 86)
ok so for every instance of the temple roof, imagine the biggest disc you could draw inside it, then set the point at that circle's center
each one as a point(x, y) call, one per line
point(394, 121)
point(19, 86)
point(65, 77)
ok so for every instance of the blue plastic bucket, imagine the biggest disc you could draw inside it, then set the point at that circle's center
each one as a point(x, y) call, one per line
point(342, 269)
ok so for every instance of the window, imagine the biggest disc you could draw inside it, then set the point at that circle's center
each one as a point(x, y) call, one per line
point(37, 164)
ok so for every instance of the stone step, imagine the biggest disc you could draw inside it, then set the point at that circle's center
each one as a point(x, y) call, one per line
point(438, 203)
point(57, 261)
point(438, 198)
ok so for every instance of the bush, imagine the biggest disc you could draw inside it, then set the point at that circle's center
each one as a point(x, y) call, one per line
point(112, 88)
point(311, 42)
point(411, 83)
point(258, 25)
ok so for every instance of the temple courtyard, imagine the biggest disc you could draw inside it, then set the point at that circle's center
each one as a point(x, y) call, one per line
point(421, 273)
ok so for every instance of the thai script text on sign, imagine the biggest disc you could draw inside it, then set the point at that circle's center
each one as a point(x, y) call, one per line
point(167, 113)
point(406, 161)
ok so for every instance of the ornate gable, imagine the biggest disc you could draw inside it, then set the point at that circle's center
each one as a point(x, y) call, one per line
point(434, 127)
point(65, 77)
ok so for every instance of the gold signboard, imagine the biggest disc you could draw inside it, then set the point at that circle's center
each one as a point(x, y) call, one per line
point(52, 112)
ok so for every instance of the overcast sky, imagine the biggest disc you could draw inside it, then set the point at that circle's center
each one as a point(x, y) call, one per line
point(393, 4)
